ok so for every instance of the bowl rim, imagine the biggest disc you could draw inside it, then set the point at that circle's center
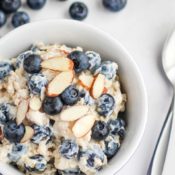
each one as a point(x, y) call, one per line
point(114, 40)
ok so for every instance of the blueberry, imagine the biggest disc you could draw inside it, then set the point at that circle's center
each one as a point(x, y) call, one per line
point(41, 133)
point(18, 150)
point(111, 147)
point(3, 18)
point(75, 171)
point(52, 105)
point(105, 105)
point(78, 11)
point(10, 6)
point(5, 69)
point(69, 149)
point(36, 4)
point(20, 18)
point(94, 60)
point(88, 100)
point(117, 127)
point(108, 69)
point(13, 132)
point(37, 83)
point(100, 130)
point(4, 113)
point(114, 5)
point(32, 64)
point(81, 61)
point(70, 96)
point(37, 164)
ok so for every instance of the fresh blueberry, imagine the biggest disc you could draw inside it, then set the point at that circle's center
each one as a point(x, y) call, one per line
point(10, 6)
point(5, 69)
point(4, 113)
point(70, 96)
point(100, 130)
point(69, 149)
point(111, 147)
point(36, 83)
point(3, 18)
point(52, 105)
point(13, 132)
point(94, 60)
point(36, 4)
point(117, 127)
point(20, 18)
point(81, 61)
point(105, 105)
point(18, 150)
point(78, 11)
point(88, 100)
point(32, 64)
point(114, 5)
point(75, 171)
point(37, 164)
point(108, 69)
point(41, 133)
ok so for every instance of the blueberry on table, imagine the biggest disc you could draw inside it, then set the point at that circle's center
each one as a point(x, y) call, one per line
point(52, 105)
point(10, 6)
point(3, 18)
point(80, 59)
point(20, 18)
point(78, 11)
point(5, 69)
point(69, 149)
point(32, 64)
point(36, 4)
point(114, 5)
point(100, 130)
point(70, 95)
point(105, 105)
point(13, 132)
point(4, 113)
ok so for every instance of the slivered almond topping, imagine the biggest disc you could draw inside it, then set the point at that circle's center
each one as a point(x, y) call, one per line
point(73, 113)
point(35, 103)
point(86, 81)
point(29, 132)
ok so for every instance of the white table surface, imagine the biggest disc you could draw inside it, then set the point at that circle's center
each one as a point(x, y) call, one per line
point(142, 28)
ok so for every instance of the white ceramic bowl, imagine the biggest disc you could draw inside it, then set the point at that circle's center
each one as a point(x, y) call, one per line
point(90, 38)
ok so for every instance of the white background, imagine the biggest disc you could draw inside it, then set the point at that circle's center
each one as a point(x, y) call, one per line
point(142, 28)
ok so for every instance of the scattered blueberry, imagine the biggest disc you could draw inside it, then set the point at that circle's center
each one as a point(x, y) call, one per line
point(10, 6)
point(3, 18)
point(37, 164)
point(75, 171)
point(18, 150)
point(105, 105)
point(100, 130)
point(41, 133)
point(69, 149)
point(111, 147)
point(4, 113)
point(88, 100)
point(36, 4)
point(32, 64)
point(36, 83)
point(81, 61)
point(52, 105)
point(94, 60)
point(114, 5)
point(70, 96)
point(108, 68)
point(5, 69)
point(20, 18)
point(78, 11)
point(13, 132)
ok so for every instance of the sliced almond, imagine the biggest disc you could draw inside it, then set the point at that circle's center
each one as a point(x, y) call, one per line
point(35, 103)
point(86, 81)
point(29, 132)
point(58, 64)
point(73, 113)
point(98, 86)
point(21, 112)
point(60, 83)
point(83, 125)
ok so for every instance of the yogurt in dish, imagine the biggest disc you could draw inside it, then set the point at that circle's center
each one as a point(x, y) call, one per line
point(61, 111)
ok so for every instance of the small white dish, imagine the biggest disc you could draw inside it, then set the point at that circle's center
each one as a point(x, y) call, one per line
point(77, 33)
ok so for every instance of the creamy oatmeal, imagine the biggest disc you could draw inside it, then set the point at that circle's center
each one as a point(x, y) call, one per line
point(61, 111)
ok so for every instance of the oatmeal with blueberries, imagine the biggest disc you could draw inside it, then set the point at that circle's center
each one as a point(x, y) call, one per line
point(61, 111)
